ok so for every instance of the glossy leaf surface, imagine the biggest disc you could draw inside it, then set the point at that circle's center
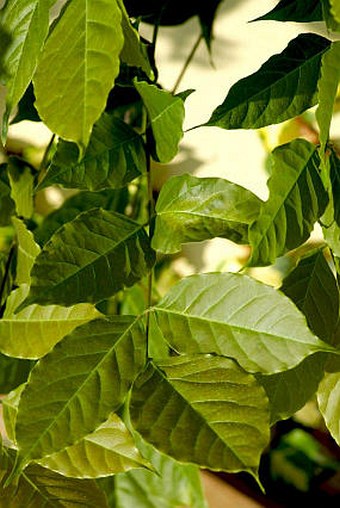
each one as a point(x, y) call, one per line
point(81, 60)
point(74, 388)
point(196, 408)
point(90, 259)
point(297, 199)
point(329, 403)
point(236, 316)
point(284, 87)
point(193, 209)
point(114, 156)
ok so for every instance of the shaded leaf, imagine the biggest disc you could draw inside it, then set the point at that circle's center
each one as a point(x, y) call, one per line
point(207, 14)
point(328, 15)
point(74, 388)
point(302, 11)
point(202, 409)
point(7, 274)
point(90, 259)
point(81, 60)
point(314, 289)
point(329, 403)
point(236, 316)
point(21, 181)
point(26, 21)
point(109, 450)
point(115, 156)
point(108, 199)
point(32, 332)
point(39, 487)
point(27, 252)
point(26, 107)
point(7, 204)
point(195, 209)
point(335, 182)
point(10, 405)
point(297, 198)
point(166, 114)
point(284, 87)
point(173, 485)
point(13, 372)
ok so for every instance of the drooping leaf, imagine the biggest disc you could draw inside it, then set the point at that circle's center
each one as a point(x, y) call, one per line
point(33, 331)
point(21, 181)
point(108, 199)
point(115, 156)
point(26, 21)
point(195, 209)
point(327, 90)
point(284, 87)
point(27, 252)
point(236, 316)
point(74, 388)
point(297, 198)
point(39, 487)
point(202, 409)
point(335, 10)
point(314, 289)
point(329, 403)
point(81, 60)
point(173, 485)
point(166, 114)
point(90, 259)
point(13, 372)
point(302, 11)
point(109, 450)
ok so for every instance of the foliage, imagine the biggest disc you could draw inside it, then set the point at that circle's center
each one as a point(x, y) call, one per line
point(198, 372)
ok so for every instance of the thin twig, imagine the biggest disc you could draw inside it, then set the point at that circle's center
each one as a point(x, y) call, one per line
point(43, 164)
point(187, 63)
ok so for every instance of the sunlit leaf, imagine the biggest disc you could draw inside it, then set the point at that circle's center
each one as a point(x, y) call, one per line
point(284, 87)
point(297, 199)
point(335, 9)
point(303, 11)
point(10, 405)
point(199, 408)
point(74, 388)
point(89, 259)
point(21, 181)
point(166, 113)
point(26, 21)
point(27, 252)
point(329, 403)
point(109, 450)
point(32, 332)
point(193, 209)
point(81, 60)
point(236, 316)
point(115, 156)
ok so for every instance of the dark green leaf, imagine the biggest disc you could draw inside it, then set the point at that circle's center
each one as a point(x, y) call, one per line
point(193, 209)
point(335, 181)
point(26, 107)
point(236, 316)
point(115, 156)
point(108, 199)
point(284, 87)
point(302, 11)
point(90, 259)
point(13, 372)
point(7, 204)
point(202, 409)
point(297, 198)
point(7, 275)
point(207, 13)
point(74, 388)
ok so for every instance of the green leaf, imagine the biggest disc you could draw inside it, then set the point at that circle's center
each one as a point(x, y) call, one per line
point(327, 91)
point(134, 52)
point(74, 388)
point(173, 485)
point(207, 13)
point(39, 487)
point(32, 332)
point(328, 13)
point(202, 409)
point(297, 198)
point(284, 87)
point(21, 181)
point(7, 275)
point(329, 403)
point(26, 107)
point(236, 316)
point(335, 185)
point(302, 11)
point(114, 157)
point(335, 9)
point(166, 114)
point(27, 252)
point(81, 60)
point(109, 450)
point(314, 289)
point(7, 205)
point(13, 372)
point(26, 21)
point(195, 209)
point(10, 405)
point(90, 259)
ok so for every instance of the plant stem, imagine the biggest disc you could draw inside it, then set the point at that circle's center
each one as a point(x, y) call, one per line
point(187, 63)
point(151, 211)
